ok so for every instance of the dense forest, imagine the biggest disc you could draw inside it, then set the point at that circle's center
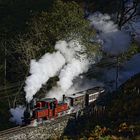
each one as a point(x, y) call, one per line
point(29, 29)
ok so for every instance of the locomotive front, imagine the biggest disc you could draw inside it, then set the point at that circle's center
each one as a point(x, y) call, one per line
point(44, 109)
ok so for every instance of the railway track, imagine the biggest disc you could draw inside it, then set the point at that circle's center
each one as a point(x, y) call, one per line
point(47, 122)
point(12, 130)
point(21, 128)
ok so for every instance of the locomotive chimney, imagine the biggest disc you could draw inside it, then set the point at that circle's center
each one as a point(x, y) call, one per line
point(28, 107)
point(63, 97)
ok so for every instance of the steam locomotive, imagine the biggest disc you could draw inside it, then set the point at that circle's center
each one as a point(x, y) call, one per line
point(50, 108)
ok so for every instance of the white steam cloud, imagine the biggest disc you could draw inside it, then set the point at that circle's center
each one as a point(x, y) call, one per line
point(41, 71)
point(70, 71)
point(76, 64)
point(68, 63)
point(17, 114)
point(115, 43)
point(103, 23)
point(113, 40)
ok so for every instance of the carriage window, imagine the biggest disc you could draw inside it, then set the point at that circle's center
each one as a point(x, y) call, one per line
point(92, 97)
point(96, 95)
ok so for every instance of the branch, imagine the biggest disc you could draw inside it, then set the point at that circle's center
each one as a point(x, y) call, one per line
point(118, 12)
point(129, 10)
point(123, 19)
point(121, 13)
point(130, 17)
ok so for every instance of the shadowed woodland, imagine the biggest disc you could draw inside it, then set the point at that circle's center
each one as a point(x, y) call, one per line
point(29, 29)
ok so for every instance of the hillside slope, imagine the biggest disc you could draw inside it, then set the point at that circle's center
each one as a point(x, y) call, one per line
point(121, 120)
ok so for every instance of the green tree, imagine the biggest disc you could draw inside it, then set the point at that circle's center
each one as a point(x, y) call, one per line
point(65, 20)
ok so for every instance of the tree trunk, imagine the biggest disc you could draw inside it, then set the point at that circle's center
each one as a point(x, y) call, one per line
point(117, 72)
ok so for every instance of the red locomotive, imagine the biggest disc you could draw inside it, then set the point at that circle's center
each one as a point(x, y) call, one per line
point(50, 108)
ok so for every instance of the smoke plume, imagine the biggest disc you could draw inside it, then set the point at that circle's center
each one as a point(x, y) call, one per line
point(17, 114)
point(68, 62)
point(112, 39)
point(76, 64)
point(41, 71)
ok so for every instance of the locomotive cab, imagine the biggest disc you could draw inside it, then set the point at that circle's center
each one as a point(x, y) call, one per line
point(44, 108)
point(48, 108)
